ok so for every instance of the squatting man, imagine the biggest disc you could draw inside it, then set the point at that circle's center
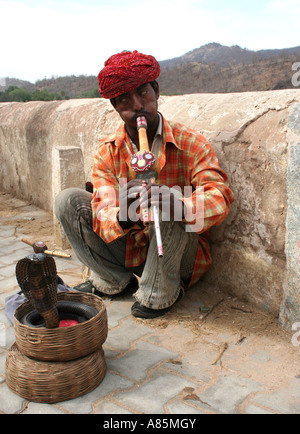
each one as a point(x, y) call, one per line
point(106, 231)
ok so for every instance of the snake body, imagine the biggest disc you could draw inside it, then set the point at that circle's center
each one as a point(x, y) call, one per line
point(37, 277)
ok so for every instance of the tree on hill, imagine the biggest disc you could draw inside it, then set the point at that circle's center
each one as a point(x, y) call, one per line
point(91, 93)
point(44, 95)
point(14, 93)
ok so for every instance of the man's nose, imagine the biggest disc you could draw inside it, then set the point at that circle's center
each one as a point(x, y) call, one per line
point(137, 103)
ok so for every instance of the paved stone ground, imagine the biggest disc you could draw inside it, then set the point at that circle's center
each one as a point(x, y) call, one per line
point(211, 355)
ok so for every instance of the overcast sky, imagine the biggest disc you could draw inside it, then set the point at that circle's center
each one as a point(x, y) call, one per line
point(63, 37)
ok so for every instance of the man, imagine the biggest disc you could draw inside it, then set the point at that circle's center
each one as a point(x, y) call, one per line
point(105, 228)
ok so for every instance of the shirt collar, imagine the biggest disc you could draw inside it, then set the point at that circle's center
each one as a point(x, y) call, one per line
point(168, 136)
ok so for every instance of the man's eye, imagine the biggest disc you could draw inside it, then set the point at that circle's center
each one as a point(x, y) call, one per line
point(122, 99)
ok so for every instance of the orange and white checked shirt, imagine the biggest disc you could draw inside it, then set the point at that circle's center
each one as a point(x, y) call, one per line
point(185, 159)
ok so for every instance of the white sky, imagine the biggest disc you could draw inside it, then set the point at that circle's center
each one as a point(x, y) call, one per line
point(42, 38)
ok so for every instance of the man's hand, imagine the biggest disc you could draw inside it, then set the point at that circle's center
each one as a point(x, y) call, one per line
point(129, 202)
point(166, 199)
point(138, 194)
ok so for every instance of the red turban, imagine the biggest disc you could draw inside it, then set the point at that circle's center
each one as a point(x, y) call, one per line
point(126, 71)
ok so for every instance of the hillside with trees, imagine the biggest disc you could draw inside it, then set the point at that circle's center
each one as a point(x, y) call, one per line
point(15, 93)
point(212, 68)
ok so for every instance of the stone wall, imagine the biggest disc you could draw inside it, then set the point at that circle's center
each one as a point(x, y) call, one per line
point(256, 137)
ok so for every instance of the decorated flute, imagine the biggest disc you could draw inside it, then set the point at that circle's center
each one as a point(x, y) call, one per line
point(143, 164)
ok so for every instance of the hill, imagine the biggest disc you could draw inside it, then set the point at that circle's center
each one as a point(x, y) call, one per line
point(74, 86)
point(221, 55)
point(212, 68)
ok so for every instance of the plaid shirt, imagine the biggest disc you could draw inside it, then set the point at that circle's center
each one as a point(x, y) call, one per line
point(185, 159)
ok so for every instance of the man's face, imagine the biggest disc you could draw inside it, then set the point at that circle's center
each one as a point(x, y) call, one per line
point(141, 101)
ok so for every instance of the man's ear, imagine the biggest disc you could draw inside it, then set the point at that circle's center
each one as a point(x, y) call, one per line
point(156, 89)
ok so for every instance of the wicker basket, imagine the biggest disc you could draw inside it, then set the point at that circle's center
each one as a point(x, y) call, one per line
point(66, 343)
point(51, 382)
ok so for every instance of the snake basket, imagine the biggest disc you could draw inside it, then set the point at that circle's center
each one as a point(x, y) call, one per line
point(52, 382)
point(66, 343)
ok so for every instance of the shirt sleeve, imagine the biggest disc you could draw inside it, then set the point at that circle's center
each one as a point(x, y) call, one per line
point(210, 201)
point(105, 200)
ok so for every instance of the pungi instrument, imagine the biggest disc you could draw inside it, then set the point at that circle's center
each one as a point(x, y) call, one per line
point(144, 165)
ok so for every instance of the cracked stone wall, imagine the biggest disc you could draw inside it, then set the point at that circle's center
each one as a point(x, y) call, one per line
point(256, 138)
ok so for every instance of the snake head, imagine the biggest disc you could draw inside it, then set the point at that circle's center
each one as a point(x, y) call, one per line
point(37, 257)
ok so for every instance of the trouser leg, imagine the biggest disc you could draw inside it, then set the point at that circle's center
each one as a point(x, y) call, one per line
point(162, 278)
point(106, 261)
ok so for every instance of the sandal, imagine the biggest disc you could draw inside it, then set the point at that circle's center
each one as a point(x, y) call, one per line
point(140, 311)
point(90, 288)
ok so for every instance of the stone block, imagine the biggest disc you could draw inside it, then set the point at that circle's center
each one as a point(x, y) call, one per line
point(290, 307)
point(220, 400)
point(163, 386)
point(137, 362)
point(67, 172)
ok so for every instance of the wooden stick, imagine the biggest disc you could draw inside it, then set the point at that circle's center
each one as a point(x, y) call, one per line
point(24, 240)
point(143, 139)
point(48, 252)
point(225, 348)
point(56, 253)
